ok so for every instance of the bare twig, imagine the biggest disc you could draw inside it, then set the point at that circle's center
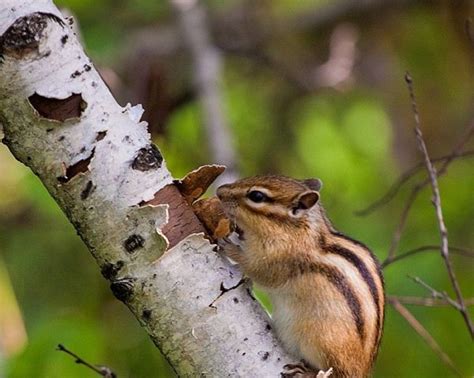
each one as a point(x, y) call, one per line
point(457, 150)
point(424, 301)
point(207, 75)
point(427, 248)
point(404, 178)
point(425, 335)
point(437, 294)
point(402, 222)
point(101, 370)
point(455, 153)
point(437, 204)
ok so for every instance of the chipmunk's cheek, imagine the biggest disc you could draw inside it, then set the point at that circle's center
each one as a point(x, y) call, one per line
point(231, 212)
point(228, 207)
point(239, 218)
point(236, 216)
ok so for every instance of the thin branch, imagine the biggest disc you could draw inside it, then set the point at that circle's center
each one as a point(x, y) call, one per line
point(404, 178)
point(424, 301)
point(402, 222)
point(436, 294)
point(457, 150)
point(101, 370)
point(425, 335)
point(437, 204)
point(427, 248)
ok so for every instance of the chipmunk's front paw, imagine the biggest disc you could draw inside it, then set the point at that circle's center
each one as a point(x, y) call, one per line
point(230, 249)
point(302, 370)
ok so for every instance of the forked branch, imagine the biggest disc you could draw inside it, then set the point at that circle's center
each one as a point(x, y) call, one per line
point(423, 332)
point(426, 248)
point(437, 204)
point(104, 371)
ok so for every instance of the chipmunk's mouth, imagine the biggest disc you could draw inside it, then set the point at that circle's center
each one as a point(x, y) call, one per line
point(230, 211)
point(239, 232)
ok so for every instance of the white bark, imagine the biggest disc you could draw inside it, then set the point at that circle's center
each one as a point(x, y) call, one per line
point(101, 169)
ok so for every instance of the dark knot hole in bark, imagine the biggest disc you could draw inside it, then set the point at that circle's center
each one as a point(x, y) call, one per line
point(58, 109)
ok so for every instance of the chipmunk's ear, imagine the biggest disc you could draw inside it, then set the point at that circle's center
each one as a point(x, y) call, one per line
point(307, 200)
point(313, 184)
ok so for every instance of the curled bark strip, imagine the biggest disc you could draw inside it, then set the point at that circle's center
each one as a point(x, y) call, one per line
point(211, 213)
point(182, 221)
point(81, 166)
point(196, 182)
point(58, 109)
point(23, 37)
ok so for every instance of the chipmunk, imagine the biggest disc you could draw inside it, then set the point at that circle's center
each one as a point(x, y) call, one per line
point(326, 289)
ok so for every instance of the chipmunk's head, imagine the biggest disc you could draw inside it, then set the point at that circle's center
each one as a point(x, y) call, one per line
point(270, 203)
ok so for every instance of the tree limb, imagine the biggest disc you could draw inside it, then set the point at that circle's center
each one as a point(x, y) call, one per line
point(96, 159)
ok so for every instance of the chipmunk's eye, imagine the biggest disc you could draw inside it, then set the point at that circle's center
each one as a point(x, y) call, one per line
point(257, 196)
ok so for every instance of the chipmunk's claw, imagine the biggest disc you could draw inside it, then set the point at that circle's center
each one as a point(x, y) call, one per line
point(295, 370)
point(230, 249)
point(292, 370)
point(302, 370)
point(224, 244)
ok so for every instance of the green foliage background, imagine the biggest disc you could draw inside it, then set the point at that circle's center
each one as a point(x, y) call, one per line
point(350, 139)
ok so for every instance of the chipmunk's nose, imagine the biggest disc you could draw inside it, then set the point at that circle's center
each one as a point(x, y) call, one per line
point(222, 191)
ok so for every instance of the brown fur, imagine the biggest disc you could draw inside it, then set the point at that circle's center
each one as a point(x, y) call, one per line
point(326, 288)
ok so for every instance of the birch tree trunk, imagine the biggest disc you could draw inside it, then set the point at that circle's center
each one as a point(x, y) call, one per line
point(96, 159)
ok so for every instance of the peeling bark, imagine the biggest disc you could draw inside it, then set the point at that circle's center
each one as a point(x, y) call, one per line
point(99, 164)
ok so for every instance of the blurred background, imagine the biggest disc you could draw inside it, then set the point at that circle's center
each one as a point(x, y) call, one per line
point(305, 88)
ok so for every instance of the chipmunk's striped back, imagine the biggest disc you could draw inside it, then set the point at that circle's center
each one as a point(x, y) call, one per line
point(326, 288)
point(360, 258)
